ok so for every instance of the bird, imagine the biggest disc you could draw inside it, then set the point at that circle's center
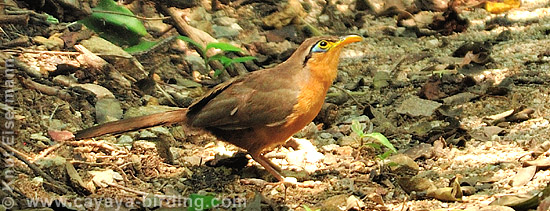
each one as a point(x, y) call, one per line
point(259, 110)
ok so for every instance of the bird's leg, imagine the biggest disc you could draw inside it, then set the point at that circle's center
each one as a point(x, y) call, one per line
point(268, 165)
point(275, 166)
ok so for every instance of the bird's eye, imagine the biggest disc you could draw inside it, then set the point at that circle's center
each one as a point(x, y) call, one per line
point(321, 46)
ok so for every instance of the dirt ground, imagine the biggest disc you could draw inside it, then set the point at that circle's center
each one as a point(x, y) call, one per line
point(463, 99)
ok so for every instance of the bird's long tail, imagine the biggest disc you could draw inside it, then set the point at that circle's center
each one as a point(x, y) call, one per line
point(135, 123)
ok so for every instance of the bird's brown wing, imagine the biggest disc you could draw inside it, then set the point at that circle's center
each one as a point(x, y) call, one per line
point(258, 99)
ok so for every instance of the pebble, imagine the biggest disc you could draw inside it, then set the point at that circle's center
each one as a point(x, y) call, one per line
point(344, 151)
point(433, 43)
point(107, 110)
point(415, 106)
point(125, 140)
point(325, 135)
point(227, 31)
point(40, 137)
point(144, 134)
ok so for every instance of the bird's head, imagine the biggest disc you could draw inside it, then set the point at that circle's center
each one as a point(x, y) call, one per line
point(320, 55)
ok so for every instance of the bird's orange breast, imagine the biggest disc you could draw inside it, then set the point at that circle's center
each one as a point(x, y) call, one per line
point(320, 74)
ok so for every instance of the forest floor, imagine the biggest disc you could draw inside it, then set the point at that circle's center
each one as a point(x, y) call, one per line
point(465, 103)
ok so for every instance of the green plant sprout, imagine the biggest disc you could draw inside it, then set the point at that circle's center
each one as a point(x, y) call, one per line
point(224, 47)
point(309, 209)
point(358, 129)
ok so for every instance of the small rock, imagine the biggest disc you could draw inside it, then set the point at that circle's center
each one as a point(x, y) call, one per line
point(433, 43)
point(52, 43)
point(291, 13)
point(403, 160)
point(282, 34)
point(65, 80)
point(381, 79)
point(354, 203)
point(338, 202)
point(107, 110)
point(145, 134)
point(325, 135)
point(415, 106)
point(329, 147)
point(376, 198)
point(188, 83)
point(160, 130)
point(330, 159)
point(103, 178)
point(99, 91)
point(504, 36)
point(40, 137)
point(99, 45)
point(227, 31)
point(49, 162)
point(125, 140)
point(357, 166)
point(324, 18)
point(416, 183)
point(422, 150)
point(225, 21)
point(344, 151)
point(196, 63)
point(459, 98)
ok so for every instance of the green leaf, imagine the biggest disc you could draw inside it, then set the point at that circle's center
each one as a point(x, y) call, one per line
point(217, 57)
point(243, 59)
point(130, 23)
point(226, 61)
point(385, 155)
point(202, 202)
point(357, 128)
point(52, 19)
point(217, 72)
point(381, 139)
point(374, 145)
point(121, 29)
point(189, 40)
point(143, 45)
point(223, 46)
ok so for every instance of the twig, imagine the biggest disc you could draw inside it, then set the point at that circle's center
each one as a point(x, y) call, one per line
point(19, 155)
point(98, 144)
point(141, 193)
point(90, 163)
point(49, 90)
point(53, 112)
point(14, 19)
point(351, 96)
point(44, 52)
point(32, 71)
point(47, 151)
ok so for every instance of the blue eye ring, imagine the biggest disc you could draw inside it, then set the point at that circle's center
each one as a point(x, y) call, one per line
point(321, 46)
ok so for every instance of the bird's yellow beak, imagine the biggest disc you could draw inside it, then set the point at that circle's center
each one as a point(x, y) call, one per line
point(349, 39)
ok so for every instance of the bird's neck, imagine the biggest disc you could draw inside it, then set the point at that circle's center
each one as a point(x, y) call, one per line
point(324, 69)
